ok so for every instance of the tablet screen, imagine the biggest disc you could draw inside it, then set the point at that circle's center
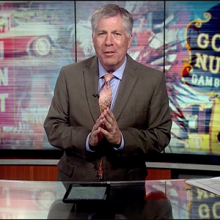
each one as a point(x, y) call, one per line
point(80, 192)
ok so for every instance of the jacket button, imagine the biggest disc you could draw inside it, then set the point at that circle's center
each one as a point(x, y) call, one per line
point(95, 168)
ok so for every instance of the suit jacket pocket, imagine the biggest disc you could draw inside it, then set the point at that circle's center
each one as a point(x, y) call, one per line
point(138, 173)
point(76, 169)
point(65, 167)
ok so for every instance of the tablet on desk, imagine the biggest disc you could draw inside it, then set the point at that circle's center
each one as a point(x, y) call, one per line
point(82, 192)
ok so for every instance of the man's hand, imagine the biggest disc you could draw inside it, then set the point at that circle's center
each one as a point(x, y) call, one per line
point(96, 134)
point(110, 127)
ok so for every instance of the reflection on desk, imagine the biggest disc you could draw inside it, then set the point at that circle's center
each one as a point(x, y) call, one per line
point(43, 199)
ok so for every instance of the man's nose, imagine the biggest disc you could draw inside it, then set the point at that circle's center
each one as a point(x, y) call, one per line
point(109, 40)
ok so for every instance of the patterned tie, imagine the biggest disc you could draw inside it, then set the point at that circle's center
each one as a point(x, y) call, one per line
point(105, 95)
point(105, 98)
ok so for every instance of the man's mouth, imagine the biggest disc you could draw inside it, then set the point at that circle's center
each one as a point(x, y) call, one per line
point(109, 52)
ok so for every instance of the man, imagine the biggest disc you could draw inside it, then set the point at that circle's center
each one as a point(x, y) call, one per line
point(110, 145)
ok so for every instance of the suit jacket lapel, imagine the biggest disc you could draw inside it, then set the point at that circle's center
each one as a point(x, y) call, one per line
point(128, 82)
point(91, 87)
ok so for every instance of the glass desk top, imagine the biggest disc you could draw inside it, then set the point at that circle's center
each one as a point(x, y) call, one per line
point(158, 198)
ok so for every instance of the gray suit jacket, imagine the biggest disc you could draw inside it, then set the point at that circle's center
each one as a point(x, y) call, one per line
point(141, 110)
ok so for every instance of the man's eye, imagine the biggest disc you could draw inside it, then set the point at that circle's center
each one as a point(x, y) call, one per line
point(100, 34)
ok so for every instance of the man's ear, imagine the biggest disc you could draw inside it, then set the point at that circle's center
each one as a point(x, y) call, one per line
point(92, 38)
point(130, 40)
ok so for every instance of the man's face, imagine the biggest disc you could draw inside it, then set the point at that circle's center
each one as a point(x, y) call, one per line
point(111, 42)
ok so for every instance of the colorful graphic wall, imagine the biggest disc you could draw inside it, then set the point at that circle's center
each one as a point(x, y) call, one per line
point(180, 38)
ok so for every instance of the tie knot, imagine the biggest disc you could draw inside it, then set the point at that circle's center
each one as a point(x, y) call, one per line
point(108, 77)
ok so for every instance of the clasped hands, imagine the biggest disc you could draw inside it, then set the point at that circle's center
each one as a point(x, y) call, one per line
point(105, 126)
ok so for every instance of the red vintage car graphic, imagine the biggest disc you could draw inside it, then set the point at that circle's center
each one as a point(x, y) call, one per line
point(32, 38)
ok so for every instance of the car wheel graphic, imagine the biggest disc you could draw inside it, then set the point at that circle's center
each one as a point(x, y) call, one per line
point(41, 46)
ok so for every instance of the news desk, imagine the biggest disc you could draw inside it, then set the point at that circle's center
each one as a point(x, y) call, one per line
point(43, 199)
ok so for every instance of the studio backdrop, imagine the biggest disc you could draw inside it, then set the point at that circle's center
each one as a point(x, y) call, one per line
point(180, 38)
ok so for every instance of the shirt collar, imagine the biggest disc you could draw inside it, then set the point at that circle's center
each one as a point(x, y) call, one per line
point(118, 73)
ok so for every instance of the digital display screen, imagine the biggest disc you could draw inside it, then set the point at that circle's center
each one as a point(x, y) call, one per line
point(86, 192)
point(179, 38)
